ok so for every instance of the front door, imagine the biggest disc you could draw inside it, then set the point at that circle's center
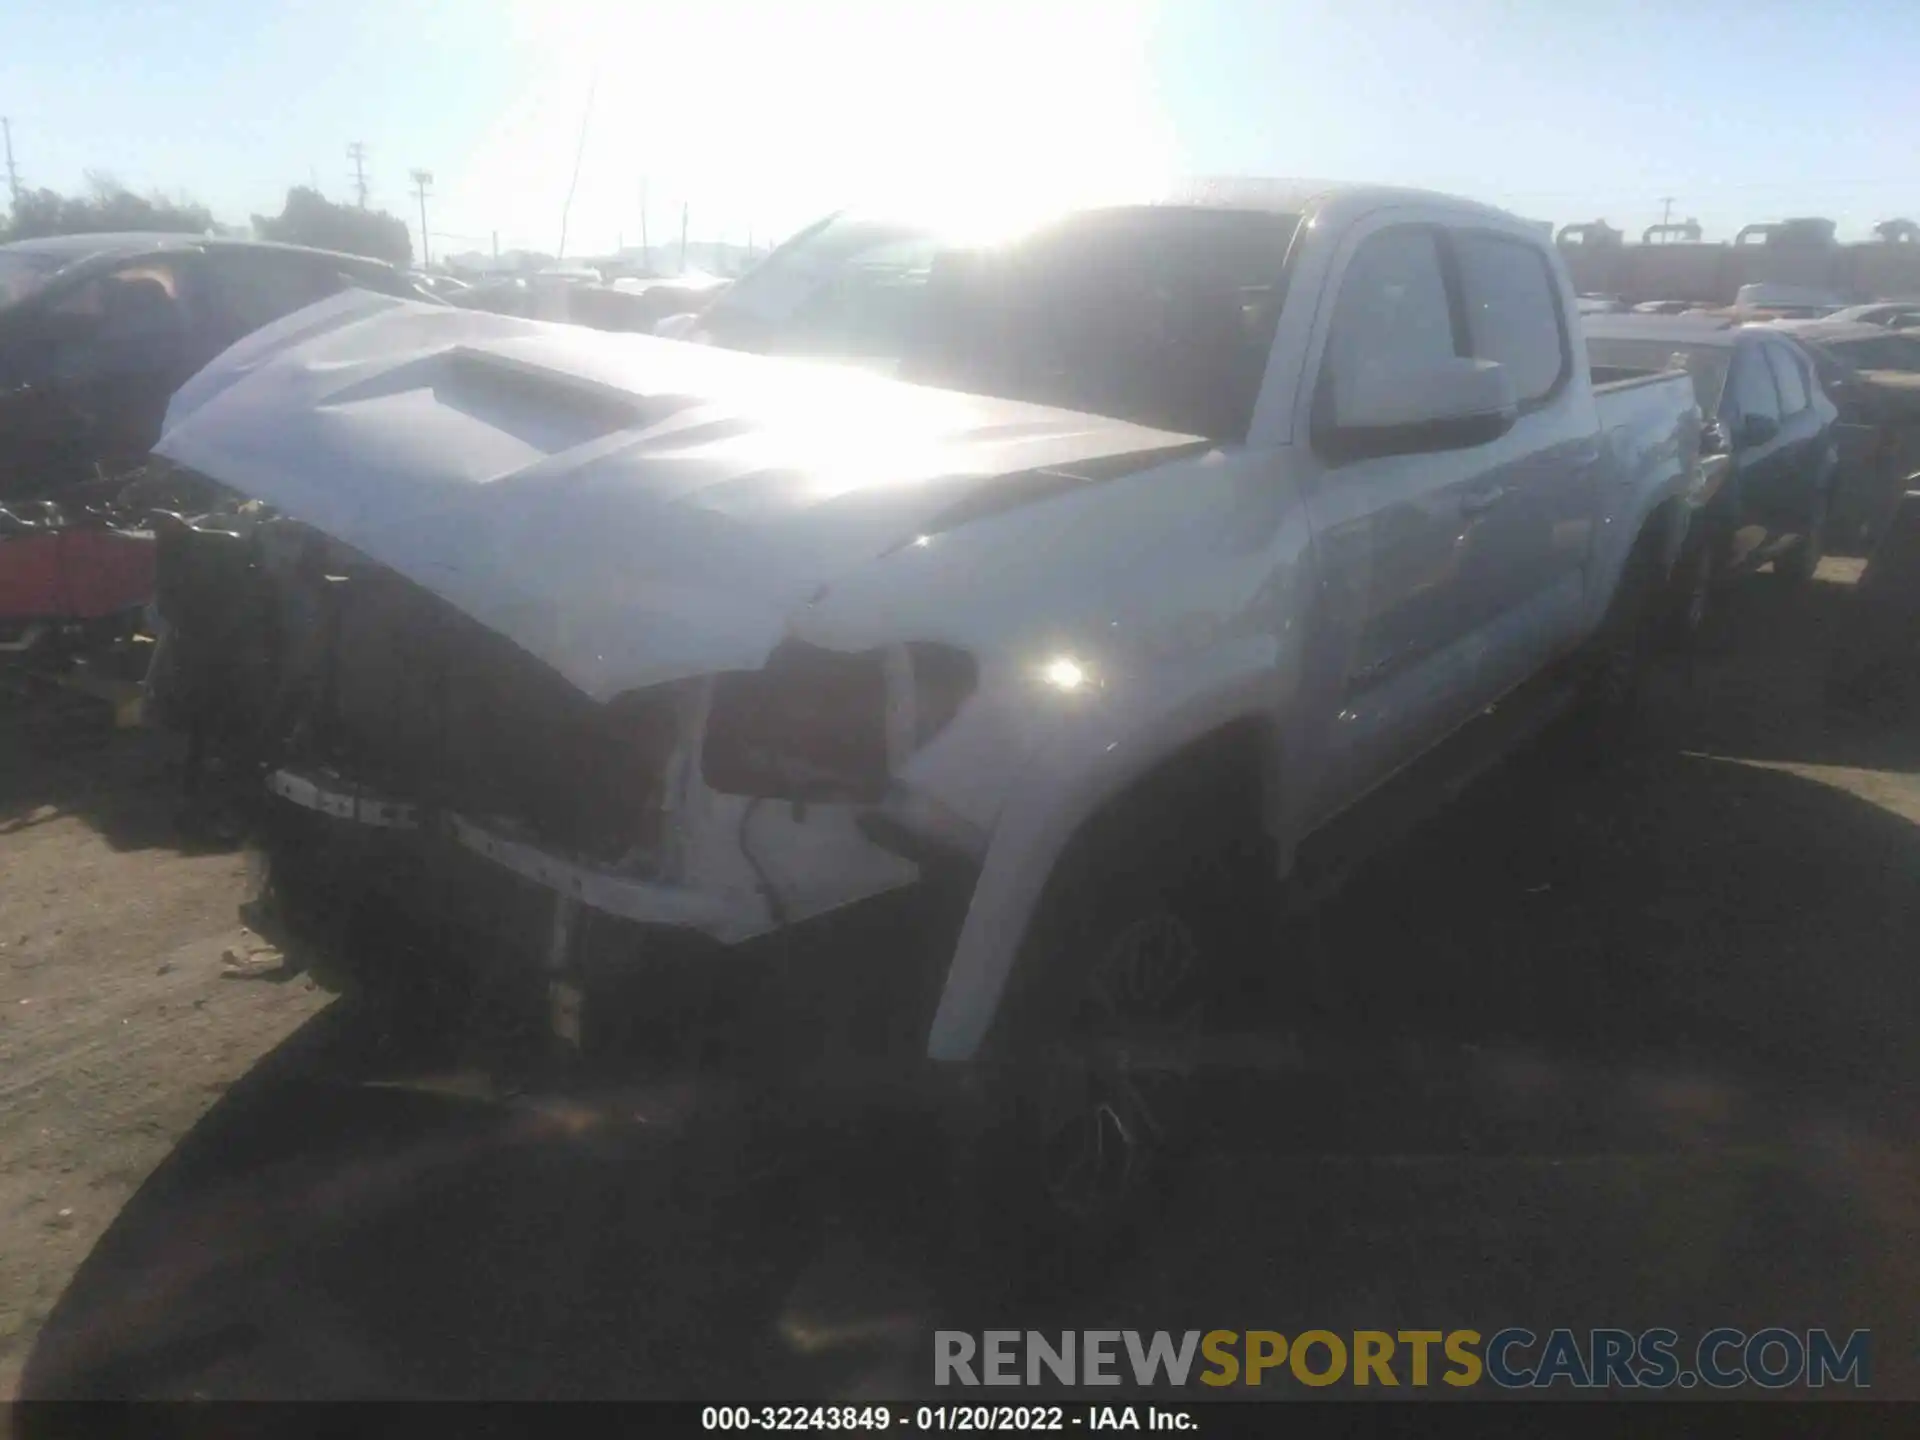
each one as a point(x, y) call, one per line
point(1390, 652)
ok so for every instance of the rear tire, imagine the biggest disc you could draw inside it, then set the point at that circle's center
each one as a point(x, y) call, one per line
point(1693, 607)
point(1617, 658)
point(1796, 567)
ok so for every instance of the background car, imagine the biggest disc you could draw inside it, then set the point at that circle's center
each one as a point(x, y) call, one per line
point(1863, 345)
point(1772, 442)
point(630, 305)
point(99, 330)
point(1892, 314)
point(1873, 377)
point(1767, 300)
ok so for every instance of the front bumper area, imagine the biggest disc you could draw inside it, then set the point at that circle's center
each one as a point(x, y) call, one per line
point(615, 963)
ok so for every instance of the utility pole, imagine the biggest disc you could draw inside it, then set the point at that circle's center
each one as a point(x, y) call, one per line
point(579, 150)
point(683, 237)
point(421, 180)
point(646, 250)
point(1666, 215)
point(357, 153)
point(496, 245)
point(13, 175)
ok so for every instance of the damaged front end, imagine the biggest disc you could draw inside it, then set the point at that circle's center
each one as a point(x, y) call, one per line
point(423, 791)
point(513, 638)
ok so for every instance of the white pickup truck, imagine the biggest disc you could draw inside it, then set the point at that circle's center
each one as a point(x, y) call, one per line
point(1165, 537)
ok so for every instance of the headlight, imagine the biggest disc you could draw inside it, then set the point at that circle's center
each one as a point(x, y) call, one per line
point(816, 724)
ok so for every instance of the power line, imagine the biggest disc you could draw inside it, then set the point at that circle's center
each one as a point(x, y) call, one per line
point(357, 152)
point(421, 180)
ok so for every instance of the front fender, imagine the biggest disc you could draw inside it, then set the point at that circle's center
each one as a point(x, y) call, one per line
point(1095, 756)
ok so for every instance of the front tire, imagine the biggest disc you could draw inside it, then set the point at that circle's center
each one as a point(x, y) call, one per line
point(1088, 1103)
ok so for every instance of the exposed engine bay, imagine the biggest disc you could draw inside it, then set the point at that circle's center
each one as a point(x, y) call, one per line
point(327, 659)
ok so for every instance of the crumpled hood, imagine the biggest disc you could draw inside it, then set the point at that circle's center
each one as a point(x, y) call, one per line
point(628, 509)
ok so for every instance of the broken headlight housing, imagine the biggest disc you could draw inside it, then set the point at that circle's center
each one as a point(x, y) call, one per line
point(818, 724)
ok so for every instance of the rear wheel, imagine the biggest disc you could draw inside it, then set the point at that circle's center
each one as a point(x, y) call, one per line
point(1699, 574)
point(1796, 567)
point(1619, 653)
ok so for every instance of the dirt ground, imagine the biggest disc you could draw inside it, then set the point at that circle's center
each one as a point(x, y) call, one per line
point(1622, 1047)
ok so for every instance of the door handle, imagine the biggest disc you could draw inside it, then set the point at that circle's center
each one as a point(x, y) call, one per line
point(1482, 500)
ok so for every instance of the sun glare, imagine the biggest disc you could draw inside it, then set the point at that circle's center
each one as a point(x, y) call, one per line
point(768, 115)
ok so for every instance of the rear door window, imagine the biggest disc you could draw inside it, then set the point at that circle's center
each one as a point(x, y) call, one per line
point(1513, 311)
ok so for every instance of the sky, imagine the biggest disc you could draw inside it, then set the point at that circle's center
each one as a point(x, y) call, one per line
point(760, 115)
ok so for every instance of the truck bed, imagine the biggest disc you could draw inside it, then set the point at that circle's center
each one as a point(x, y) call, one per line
point(1611, 379)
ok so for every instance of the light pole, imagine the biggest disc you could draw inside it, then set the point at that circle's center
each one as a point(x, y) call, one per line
point(421, 180)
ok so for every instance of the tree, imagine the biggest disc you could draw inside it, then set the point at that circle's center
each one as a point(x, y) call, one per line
point(107, 206)
point(309, 218)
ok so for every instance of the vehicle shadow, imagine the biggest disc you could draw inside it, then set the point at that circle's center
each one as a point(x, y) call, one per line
point(1599, 1045)
point(1764, 682)
point(1607, 1044)
point(60, 756)
point(341, 1226)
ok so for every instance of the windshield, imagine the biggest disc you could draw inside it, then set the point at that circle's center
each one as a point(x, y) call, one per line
point(1159, 315)
point(22, 273)
point(1707, 364)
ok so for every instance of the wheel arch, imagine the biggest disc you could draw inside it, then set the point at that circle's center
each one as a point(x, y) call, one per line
point(1230, 767)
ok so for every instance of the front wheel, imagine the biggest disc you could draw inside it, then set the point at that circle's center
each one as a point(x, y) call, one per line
point(1091, 1099)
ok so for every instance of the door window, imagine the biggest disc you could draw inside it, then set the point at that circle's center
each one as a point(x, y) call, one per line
point(1513, 311)
point(1392, 316)
point(128, 321)
point(1750, 391)
point(1788, 378)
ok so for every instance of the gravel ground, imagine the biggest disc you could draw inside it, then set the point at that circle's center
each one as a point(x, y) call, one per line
point(1626, 1048)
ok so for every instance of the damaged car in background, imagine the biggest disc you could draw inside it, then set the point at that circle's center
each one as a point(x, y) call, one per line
point(960, 717)
point(96, 333)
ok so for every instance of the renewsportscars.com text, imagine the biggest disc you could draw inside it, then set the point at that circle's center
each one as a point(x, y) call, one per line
point(1513, 1358)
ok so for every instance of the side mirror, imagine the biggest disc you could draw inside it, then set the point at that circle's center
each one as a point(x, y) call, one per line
point(1451, 405)
point(1757, 430)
